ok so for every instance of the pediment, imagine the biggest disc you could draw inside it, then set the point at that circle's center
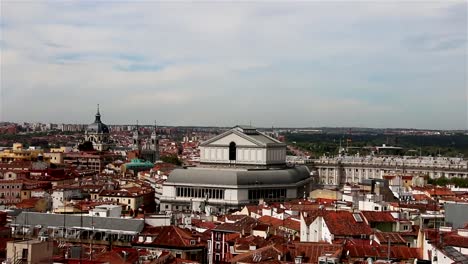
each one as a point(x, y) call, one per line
point(232, 136)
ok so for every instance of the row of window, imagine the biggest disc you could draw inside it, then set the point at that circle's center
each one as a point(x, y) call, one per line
point(267, 194)
point(12, 187)
point(7, 201)
point(8, 194)
point(209, 193)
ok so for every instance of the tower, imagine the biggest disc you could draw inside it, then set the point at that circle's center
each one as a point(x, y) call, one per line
point(98, 133)
point(136, 138)
point(155, 143)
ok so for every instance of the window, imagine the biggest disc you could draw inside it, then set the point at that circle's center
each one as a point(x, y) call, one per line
point(232, 151)
point(277, 194)
point(357, 217)
point(405, 227)
point(218, 246)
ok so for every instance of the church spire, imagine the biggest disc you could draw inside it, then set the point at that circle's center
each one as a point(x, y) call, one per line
point(98, 115)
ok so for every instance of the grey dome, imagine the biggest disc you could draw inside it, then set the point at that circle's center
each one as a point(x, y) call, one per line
point(97, 126)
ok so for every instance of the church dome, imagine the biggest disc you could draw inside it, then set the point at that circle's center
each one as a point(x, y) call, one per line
point(98, 126)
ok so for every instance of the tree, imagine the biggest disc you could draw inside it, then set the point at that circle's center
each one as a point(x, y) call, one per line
point(172, 158)
point(86, 146)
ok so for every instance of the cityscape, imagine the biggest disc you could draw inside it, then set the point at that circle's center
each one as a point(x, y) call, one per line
point(311, 132)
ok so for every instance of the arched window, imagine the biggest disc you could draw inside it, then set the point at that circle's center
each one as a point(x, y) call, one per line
point(232, 151)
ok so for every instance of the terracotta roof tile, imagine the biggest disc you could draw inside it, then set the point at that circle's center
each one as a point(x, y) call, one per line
point(343, 223)
point(394, 237)
point(311, 251)
point(379, 217)
point(170, 236)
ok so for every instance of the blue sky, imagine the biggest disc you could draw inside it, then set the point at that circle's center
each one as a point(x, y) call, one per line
point(295, 64)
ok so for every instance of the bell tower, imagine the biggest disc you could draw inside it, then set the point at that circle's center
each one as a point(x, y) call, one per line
point(136, 143)
point(154, 146)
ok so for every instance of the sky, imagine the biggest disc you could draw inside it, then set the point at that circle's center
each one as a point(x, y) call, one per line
point(266, 63)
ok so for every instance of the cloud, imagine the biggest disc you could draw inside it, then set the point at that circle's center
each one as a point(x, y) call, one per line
point(294, 64)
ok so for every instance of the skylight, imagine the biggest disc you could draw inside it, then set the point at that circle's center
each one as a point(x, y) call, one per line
point(357, 217)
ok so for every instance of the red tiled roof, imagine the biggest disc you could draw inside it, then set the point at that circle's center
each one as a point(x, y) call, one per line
point(27, 203)
point(261, 227)
point(244, 243)
point(379, 217)
point(310, 216)
point(169, 236)
point(421, 197)
point(453, 239)
point(380, 251)
point(395, 238)
point(292, 224)
point(342, 223)
point(311, 251)
point(244, 225)
point(262, 255)
point(203, 224)
point(266, 219)
point(119, 256)
point(435, 191)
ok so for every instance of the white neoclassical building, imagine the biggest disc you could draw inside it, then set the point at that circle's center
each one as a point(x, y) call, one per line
point(238, 167)
point(243, 146)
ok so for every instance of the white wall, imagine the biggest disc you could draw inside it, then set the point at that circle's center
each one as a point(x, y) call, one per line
point(244, 155)
point(240, 141)
point(246, 152)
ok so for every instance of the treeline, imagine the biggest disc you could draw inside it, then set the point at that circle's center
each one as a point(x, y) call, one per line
point(320, 144)
point(442, 181)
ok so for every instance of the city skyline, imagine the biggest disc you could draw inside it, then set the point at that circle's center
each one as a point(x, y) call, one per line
point(302, 64)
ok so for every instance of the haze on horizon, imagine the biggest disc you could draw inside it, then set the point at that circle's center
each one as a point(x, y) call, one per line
point(301, 64)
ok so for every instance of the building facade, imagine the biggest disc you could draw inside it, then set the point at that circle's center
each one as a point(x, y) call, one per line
point(241, 166)
point(353, 169)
